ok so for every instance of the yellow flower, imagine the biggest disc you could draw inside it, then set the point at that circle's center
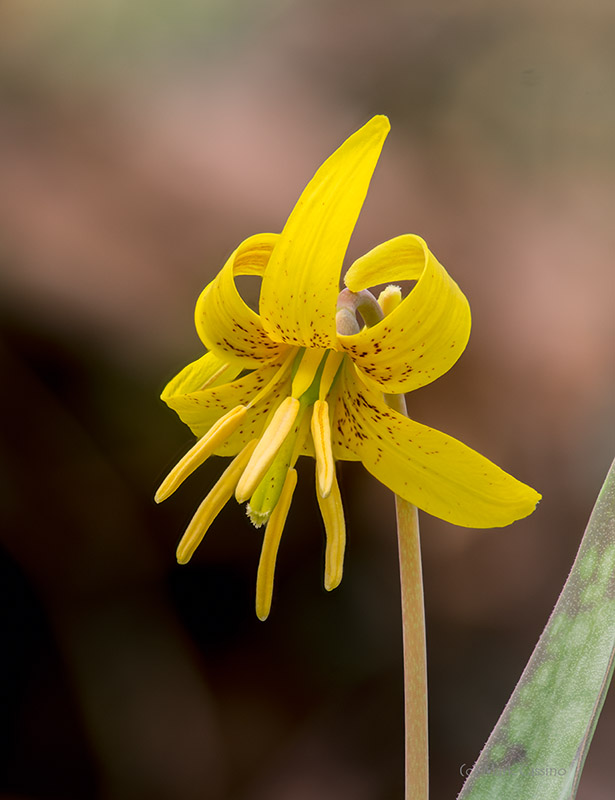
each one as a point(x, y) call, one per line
point(284, 383)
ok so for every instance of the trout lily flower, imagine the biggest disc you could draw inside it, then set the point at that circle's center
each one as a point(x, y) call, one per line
point(295, 379)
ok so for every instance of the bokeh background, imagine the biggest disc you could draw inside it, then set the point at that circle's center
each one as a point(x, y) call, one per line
point(140, 141)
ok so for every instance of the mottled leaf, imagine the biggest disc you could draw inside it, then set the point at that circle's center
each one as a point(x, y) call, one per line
point(538, 747)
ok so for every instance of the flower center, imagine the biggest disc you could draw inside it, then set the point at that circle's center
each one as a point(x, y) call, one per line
point(313, 373)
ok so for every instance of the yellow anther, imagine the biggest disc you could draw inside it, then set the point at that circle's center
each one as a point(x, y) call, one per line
point(211, 506)
point(389, 298)
point(332, 365)
point(306, 372)
point(270, 442)
point(321, 434)
point(271, 543)
point(215, 436)
point(335, 528)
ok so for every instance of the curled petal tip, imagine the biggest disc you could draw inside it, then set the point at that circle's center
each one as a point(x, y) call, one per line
point(382, 121)
point(377, 127)
point(533, 498)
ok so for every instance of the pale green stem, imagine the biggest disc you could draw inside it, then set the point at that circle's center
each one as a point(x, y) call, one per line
point(411, 576)
point(415, 652)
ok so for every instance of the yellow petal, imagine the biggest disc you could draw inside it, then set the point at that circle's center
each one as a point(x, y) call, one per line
point(226, 325)
point(424, 336)
point(204, 373)
point(430, 469)
point(344, 436)
point(301, 281)
point(211, 506)
point(335, 528)
point(202, 409)
point(271, 543)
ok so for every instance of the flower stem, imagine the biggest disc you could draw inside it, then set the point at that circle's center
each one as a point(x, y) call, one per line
point(414, 644)
point(411, 576)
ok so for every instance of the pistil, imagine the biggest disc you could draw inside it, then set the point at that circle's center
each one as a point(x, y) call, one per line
point(268, 491)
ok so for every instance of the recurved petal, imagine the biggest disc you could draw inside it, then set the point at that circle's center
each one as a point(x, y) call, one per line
point(226, 325)
point(201, 409)
point(301, 282)
point(204, 373)
point(435, 472)
point(424, 336)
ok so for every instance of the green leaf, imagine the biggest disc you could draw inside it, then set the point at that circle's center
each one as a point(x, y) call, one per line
point(538, 747)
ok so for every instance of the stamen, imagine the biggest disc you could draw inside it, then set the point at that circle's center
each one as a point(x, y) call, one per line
point(308, 367)
point(270, 442)
point(335, 528)
point(321, 434)
point(389, 298)
point(329, 373)
point(277, 377)
point(211, 506)
point(215, 436)
point(271, 543)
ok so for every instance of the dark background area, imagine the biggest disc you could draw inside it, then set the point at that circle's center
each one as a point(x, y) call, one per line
point(140, 142)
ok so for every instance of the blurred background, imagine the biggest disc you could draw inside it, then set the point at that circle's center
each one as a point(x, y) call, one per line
point(140, 142)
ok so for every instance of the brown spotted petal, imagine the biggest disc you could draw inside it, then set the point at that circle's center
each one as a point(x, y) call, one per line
point(430, 469)
point(425, 334)
point(226, 325)
point(200, 410)
point(301, 282)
